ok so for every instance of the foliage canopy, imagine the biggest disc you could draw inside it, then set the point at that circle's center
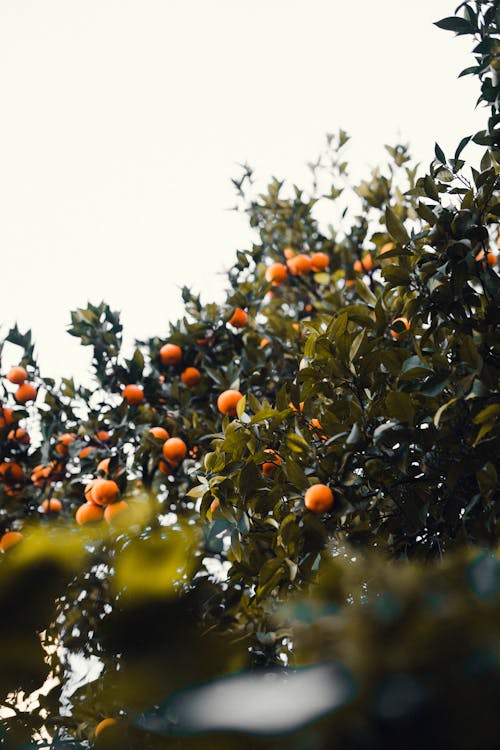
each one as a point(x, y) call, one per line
point(367, 358)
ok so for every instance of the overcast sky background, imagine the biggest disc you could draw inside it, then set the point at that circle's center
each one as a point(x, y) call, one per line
point(124, 120)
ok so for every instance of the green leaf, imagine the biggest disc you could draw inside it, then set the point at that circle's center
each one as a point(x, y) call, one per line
point(441, 410)
point(439, 153)
point(454, 23)
point(399, 406)
point(490, 414)
point(241, 406)
point(395, 226)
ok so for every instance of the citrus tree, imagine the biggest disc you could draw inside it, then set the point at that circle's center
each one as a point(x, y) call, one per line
point(317, 455)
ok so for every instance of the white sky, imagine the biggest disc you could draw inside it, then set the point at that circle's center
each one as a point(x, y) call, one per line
point(123, 121)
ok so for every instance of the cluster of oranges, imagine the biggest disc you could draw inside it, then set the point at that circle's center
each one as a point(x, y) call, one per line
point(25, 391)
point(102, 499)
point(297, 264)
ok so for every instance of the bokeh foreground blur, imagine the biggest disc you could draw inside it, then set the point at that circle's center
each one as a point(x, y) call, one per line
point(277, 527)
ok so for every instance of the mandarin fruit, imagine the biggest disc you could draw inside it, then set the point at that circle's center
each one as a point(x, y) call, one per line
point(227, 401)
point(319, 498)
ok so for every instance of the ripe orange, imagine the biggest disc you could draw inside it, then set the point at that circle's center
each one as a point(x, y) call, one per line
point(269, 467)
point(89, 513)
point(491, 258)
point(19, 436)
point(103, 465)
point(88, 491)
point(85, 452)
point(276, 273)
point(102, 435)
point(67, 437)
point(6, 417)
point(386, 248)
point(159, 432)
point(17, 375)
point(10, 539)
point(174, 450)
point(133, 394)
point(26, 392)
point(239, 318)
point(288, 252)
point(103, 724)
point(115, 509)
point(365, 264)
point(214, 505)
point(320, 261)
point(226, 403)
point(40, 475)
point(165, 467)
point(319, 498)
point(191, 376)
point(11, 473)
point(64, 441)
point(51, 505)
point(170, 354)
point(299, 264)
point(404, 325)
point(104, 491)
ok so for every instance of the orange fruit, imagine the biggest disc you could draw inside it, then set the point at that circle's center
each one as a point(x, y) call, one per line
point(226, 403)
point(11, 473)
point(17, 375)
point(89, 487)
point(103, 465)
point(39, 475)
point(170, 354)
point(104, 724)
point(89, 513)
point(26, 392)
point(365, 264)
point(133, 394)
point(288, 252)
point(269, 467)
point(115, 509)
point(64, 441)
point(214, 505)
point(174, 450)
point(10, 539)
point(320, 261)
point(350, 282)
point(299, 264)
point(19, 436)
point(85, 452)
point(6, 417)
point(396, 334)
point(191, 376)
point(319, 498)
point(386, 248)
point(491, 258)
point(66, 438)
point(51, 505)
point(276, 273)
point(102, 435)
point(159, 432)
point(104, 491)
point(239, 318)
point(165, 467)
